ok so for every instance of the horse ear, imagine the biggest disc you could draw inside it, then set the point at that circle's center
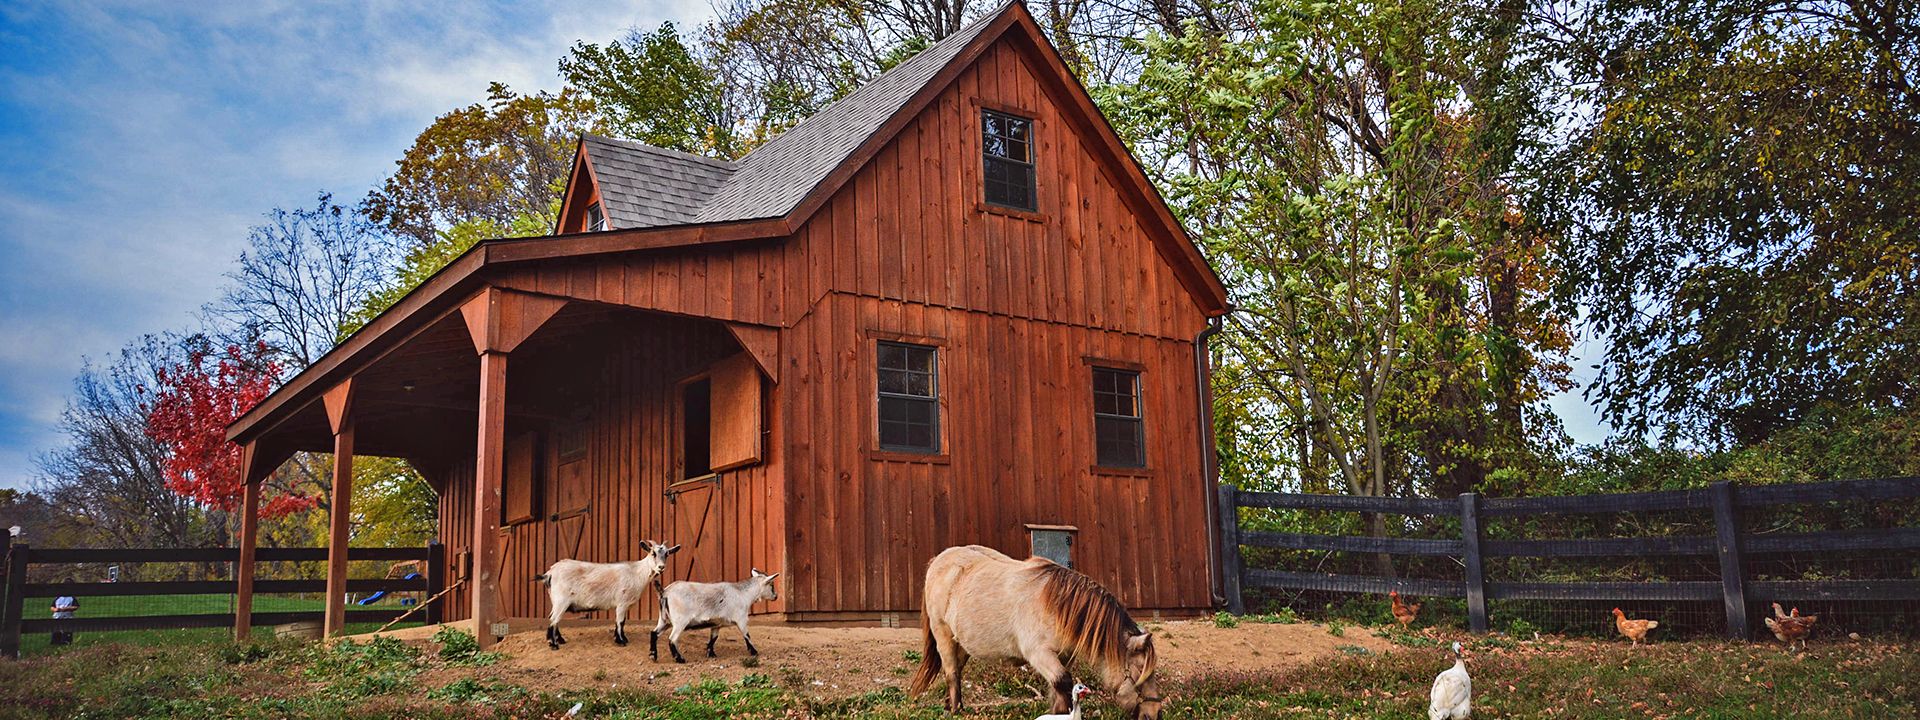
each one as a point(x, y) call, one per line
point(1137, 643)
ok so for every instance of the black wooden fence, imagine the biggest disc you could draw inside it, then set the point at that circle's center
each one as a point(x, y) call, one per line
point(1733, 547)
point(20, 556)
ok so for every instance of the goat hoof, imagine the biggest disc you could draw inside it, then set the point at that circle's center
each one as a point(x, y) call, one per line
point(620, 641)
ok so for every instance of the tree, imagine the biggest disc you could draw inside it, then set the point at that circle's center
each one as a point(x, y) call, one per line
point(654, 89)
point(1348, 169)
point(303, 274)
point(108, 484)
point(496, 161)
point(194, 401)
point(1740, 201)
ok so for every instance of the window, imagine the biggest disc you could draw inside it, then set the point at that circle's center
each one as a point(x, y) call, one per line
point(1007, 145)
point(909, 398)
point(696, 429)
point(1116, 419)
point(596, 218)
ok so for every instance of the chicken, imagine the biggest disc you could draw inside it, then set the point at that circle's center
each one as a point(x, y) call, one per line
point(1079, 691)
point(1403, 612)
point(1452, 697)
point(1791, 627)
point(1635, 630)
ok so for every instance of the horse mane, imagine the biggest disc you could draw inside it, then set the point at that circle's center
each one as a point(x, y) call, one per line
point(1095, 624)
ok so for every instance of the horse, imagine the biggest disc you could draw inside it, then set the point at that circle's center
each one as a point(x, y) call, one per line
point(980, 603)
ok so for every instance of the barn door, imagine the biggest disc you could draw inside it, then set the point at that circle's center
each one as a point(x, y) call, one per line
point(694, 518)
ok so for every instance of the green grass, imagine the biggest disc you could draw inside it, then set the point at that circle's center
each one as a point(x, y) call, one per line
point(1554, 678)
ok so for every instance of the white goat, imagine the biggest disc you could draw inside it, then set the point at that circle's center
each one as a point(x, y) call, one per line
point(576, 586)
point(705, 605)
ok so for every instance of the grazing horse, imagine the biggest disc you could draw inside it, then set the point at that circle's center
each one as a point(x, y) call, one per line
point(981, 603)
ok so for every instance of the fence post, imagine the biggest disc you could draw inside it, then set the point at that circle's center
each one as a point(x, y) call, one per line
point(1733, 577)
point(1230, 548)
point(6, 559)
point(1476, 578)
point(17, 558)
point(436, 580)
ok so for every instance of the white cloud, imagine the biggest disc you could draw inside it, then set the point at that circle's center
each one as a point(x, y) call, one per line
point(138, 142)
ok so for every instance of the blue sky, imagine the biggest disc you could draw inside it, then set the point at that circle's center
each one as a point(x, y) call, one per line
point(138, 141)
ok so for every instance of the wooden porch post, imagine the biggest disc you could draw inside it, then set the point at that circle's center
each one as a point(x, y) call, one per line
point(249, 537)
point(498, 321)
point(488, 474)
point(256, 463)
point(339, 402)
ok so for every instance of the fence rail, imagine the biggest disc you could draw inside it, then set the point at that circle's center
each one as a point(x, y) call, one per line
point(1729, 545)
point(18, 557)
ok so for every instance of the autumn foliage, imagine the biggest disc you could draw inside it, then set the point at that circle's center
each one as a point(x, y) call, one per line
point(189, 412)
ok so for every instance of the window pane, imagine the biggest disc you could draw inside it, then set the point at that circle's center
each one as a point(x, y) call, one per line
point(908, 386)
point(892, 381)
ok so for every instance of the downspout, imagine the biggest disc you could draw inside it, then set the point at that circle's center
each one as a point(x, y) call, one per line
point(1209, 457)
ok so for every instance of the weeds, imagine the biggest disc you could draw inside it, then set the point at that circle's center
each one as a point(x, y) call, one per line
point(1224, 619)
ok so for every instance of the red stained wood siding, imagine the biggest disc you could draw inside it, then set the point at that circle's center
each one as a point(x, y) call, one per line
point(1018, 304)
point(630, 416)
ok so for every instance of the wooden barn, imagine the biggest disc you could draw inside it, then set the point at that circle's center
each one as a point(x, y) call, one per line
point(949, 308)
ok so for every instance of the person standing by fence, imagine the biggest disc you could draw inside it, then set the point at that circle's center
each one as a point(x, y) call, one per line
point(63, 608)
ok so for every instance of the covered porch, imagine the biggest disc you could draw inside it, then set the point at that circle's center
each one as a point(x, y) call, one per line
point(548, 426)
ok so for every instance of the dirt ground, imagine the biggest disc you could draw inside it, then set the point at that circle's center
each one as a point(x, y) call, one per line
point(842, 662)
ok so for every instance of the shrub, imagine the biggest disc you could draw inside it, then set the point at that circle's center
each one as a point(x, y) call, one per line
point(1224, 619)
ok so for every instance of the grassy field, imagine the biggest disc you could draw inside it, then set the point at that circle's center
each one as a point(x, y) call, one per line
point(141, 606)
point(1546, 679)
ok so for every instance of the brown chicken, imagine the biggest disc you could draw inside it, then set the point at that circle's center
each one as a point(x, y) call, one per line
point(1403, 612)
point(1791, 627)
point(1635, 630)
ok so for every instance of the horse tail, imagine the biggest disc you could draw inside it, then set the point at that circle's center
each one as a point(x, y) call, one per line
point(929, 664)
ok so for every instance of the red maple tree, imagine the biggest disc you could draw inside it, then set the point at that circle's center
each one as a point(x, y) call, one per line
point(195, 401)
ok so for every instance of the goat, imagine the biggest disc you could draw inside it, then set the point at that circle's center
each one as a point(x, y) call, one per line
point(705, 605)
point(576, 586)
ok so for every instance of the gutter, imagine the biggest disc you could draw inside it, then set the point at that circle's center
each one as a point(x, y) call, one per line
point(1209, 454)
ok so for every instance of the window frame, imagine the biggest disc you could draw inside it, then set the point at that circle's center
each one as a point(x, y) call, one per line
point(596, 220)
point(1135, 373)
point(934, 402)
point(1030, 167)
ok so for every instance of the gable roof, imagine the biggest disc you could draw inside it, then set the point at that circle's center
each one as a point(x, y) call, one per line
point(770, 193)
point(645, 186)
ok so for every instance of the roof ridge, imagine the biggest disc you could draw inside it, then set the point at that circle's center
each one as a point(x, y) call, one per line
point(961, 36)
point(728, 165)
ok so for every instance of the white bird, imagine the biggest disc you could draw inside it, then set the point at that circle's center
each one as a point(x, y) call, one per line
point(1078, 691)
point(1452, 697)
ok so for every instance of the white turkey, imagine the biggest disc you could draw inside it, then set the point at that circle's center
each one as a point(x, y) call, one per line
point(1452, 697)
point(1079, 691)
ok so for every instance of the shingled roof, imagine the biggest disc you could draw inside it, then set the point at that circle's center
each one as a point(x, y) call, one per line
point(644, 186)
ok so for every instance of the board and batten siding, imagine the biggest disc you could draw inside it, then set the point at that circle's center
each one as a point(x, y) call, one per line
point(1018, 304)
point(630, 459)
point(1021, 305)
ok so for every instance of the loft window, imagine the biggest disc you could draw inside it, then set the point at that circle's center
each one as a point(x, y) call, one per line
point(696, 429)
point(1117, 433)
point(1007, 147)
point(596, 218)
point(909, 388)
